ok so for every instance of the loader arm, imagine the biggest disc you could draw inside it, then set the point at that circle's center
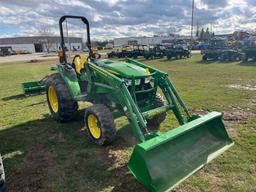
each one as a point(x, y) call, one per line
point(121, 94)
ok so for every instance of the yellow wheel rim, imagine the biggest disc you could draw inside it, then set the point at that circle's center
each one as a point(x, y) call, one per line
point(53, 99)
point(93, 126)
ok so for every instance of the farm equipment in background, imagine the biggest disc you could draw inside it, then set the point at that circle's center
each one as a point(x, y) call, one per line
point(119, 53)
point(218, 50)
point(139, 50)
point(112, 54)
point(177, 52)
point(130, 88)
point(155, 52)
point(2, 176)
point(129, 52)
point(6, 51)
point(124, 52)
point(249, 50)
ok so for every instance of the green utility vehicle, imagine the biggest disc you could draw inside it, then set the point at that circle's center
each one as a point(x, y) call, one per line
point(249, 50)
point(159, 161)
point(218, 50)
point(177, 52)
point(154, 52)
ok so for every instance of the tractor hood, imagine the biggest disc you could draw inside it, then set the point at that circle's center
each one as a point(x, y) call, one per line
point(122, 69)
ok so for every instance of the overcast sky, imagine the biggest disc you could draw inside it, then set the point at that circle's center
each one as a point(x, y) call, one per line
point(120, 18)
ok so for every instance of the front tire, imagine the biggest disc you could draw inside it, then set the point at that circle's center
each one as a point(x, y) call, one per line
point(62, 107)
point(99, 124)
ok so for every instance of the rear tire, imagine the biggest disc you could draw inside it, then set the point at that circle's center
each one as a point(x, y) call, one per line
point(205, 57)
point(100, 125)
point(154, 123)
point(244, 58)
point(64, 108)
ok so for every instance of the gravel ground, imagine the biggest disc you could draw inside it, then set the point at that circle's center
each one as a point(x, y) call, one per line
point(28, 57)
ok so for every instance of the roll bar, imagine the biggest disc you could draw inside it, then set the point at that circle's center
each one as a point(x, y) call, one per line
point(85, 21)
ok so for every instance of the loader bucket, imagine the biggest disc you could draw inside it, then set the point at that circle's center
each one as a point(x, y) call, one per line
point(33, 87)
point(166, 160)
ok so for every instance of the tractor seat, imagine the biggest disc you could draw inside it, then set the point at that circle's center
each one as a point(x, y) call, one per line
point(79, 63)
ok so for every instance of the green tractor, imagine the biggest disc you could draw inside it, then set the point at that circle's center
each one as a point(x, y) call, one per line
point(160, 160)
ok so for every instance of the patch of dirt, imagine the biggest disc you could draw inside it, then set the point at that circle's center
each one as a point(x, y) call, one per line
point(33, 61)
point(57, 137)
point(124, 180)
point(182, 188)
point(244, 87)
point(238, 116)
point(29, 177)
point(199, 111)
point(119, 156)
point(253, 102)
point(233, 132)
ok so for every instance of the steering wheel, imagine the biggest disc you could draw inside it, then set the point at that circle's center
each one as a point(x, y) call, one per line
point(93, 57)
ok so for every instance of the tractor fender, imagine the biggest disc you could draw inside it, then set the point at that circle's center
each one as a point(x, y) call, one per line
point(69, 76)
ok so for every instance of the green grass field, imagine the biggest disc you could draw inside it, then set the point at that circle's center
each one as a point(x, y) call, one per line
point(43, 155)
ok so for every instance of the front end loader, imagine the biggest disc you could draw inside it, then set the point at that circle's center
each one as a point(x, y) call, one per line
point(159, 161)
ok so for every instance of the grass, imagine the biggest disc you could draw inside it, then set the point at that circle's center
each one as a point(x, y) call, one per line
point(43, 155)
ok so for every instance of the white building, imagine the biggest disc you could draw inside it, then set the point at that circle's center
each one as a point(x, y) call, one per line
point(39, 43)
point(126, 41)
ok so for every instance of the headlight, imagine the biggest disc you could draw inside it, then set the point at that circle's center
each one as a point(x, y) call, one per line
point(147, 80)
point(137, 81)
point(128, 82)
